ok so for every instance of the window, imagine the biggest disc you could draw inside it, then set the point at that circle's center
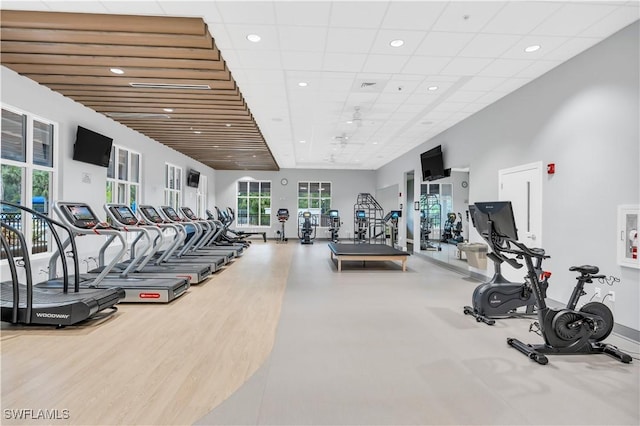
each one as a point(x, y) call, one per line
point(254, 203)
point(315, 197)
point(27, 170)
point(123, 177)
point(172, 185)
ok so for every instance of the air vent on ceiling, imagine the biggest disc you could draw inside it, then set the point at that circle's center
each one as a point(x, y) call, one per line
point(367, 84)
point(170, 86)
point(135, 115)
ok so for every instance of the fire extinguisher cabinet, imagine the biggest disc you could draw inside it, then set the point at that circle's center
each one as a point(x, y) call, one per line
point(628, 232)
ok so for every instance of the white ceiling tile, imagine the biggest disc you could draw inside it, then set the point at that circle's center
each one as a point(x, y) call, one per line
point(483, 83)
point(221, 37)
point(87, 7)
point(520, 17)
point(473, 107)
point(416, 15)
point(351, 62)
point(265, 77)
point(489, 45)
point(247, 12)
point(344, 40)
point(465, 66)
point(571, 48)
point(238, 36)
point(425, 65)
point(490, 97)
point(538, 68)
point(412, 40)
point(465, 96)
point(512, 84)
point(443, 43)
point(384, 63)
point(206, 10)
point(479, 13)
point(355, 14)
point(301, 60)
point(25, 5)
point(573, 18)
point(308, 13)
point(620, 18)
point(504, 67)
point(259, 59)
point(448, 106)
point(547, 44)
point(337, 84)
point(308, 39)
point(423, 98)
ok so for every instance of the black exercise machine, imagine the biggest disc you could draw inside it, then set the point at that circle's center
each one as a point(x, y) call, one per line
point(283, 216)
point(362, 226)
point(307, 226)
point(565, 331)
point(500, 298)
point(334, 224)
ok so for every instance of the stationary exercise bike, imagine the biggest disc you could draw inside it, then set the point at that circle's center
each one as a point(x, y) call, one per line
point(565, 331)
point(500, 298)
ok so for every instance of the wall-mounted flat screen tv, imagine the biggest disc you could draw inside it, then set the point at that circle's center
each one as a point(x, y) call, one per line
point(92, 147)
point(193, 178)
point(432, 164)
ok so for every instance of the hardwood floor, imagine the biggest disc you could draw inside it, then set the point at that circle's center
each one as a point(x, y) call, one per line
point(160, 364)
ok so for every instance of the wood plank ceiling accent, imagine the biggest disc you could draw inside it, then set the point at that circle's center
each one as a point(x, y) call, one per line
point(72, 53)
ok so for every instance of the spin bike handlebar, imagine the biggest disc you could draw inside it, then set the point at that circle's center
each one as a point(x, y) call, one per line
point(521, 250)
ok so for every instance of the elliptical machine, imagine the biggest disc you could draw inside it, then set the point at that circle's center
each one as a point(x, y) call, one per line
point(565, 331)
point(307, 228)
point(334, 225)
point(500, 298)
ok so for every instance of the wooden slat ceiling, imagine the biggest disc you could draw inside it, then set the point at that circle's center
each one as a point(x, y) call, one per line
point(72, 53)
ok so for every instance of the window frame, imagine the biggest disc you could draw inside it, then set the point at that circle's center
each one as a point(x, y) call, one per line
point(27, 169)
point(316, 212)
point(116, 181)
point(248, 197)
point(173, 196)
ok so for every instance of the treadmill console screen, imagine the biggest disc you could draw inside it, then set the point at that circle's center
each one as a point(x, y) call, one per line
point(171, 214)
point(82, 216)
point(189, 213)
point(151, 214)
point(124, 215)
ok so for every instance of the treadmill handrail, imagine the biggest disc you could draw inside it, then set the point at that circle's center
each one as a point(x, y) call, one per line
point(29, 276)
point(100, 228)
point(177, 229)
point(14, 274)
point(61, 246)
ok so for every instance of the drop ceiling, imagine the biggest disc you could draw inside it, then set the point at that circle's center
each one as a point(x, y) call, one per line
point(366, 102)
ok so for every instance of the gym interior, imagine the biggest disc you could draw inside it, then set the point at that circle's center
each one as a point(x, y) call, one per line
point(374, 213)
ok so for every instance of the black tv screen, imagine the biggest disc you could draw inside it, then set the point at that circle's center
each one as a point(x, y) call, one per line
point(193, 178)
point(432, 164)
point(92, 147)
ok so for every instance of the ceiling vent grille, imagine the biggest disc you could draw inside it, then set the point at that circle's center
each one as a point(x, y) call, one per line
point(170, 86)
point(366, 84)
point(135, 115)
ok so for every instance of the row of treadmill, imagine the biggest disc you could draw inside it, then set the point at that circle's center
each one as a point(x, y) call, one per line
point(155, 255)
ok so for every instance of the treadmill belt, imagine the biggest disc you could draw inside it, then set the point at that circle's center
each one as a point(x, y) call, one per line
point(44, 297)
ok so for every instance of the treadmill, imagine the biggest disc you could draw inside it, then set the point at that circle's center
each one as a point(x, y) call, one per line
point(175, 253)
point(24, 303)
point(139, 288)
point(208, 233)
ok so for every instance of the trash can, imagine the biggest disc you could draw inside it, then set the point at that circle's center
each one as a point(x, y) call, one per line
point(476, 254)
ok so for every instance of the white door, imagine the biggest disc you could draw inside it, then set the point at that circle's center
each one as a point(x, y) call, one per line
point(522, 186)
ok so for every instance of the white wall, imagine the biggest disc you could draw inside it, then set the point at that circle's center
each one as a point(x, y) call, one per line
point(345, 187)
point(582, 116)
point(25, 94)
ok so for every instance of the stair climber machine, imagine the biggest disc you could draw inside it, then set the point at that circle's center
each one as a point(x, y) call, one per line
point(565, 331)
point(307, 226)
point(283, 216)
point(334, 225)
point(22, 302)
point(141, 282)
point(500, 298)
point(211, 230)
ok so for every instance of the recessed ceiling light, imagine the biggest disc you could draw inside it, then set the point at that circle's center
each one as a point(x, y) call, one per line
point(254, 38)
point(303, 141)
point(167, 109)
point(349, 122)
point(396, 43)
point(254, 156)
point(375, 143)
point(116, 71)
point(303, 84)
point(432, 88)
point(532, 48)
point(228, 125)
point(216, 146)
point(197, 132)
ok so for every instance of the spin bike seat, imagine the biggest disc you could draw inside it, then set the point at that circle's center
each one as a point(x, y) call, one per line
point(537, 251)
point(586, 269)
